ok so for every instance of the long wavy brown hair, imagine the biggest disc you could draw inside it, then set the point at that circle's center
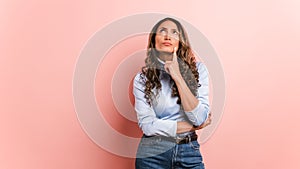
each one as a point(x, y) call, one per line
point(186, 60)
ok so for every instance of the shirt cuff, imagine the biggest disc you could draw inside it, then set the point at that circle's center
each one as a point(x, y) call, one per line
point(160, 127)
point(198, 115)
point(167, 128)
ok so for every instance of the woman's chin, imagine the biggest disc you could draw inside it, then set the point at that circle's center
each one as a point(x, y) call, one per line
point(166, 51)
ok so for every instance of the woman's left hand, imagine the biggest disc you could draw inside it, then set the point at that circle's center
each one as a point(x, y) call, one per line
point(206, 123)
point(172, 67)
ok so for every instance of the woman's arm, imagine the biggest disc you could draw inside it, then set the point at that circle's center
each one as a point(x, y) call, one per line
point(184, 126)
point(147, 120)
point(188, 101)
point(196, 108)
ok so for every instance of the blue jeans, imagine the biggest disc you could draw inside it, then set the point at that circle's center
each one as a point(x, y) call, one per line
point(157, 153)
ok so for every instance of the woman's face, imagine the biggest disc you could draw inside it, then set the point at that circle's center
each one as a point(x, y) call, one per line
point(167, 37)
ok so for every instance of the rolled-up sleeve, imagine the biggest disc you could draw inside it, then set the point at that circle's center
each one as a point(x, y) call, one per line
point(200, 113)
point(147, 119)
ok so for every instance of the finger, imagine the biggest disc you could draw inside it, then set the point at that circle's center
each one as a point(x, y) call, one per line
point(174, 54)
point(209, 121)
point(209, 115)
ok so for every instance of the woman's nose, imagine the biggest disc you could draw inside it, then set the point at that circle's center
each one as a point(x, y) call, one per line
point(167, 36)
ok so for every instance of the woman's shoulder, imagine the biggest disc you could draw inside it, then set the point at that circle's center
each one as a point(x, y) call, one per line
point(200, 65)
point(139, 77)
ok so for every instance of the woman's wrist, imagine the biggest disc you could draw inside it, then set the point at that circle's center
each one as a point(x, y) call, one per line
point(178, 80)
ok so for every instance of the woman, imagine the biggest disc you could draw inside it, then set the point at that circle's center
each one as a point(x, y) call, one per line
point(171, 100)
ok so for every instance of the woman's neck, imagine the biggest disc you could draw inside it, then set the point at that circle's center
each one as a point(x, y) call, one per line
point(165, 56)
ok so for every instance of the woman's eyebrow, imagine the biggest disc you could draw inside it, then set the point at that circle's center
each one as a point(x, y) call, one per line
point(166, 28)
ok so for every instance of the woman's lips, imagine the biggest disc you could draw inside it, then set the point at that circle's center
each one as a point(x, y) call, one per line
point(167, 44)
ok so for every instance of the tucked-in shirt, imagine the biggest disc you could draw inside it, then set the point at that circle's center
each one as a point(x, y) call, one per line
point(162, 116)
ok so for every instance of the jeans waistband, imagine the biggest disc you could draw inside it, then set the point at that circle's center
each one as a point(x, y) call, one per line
point(184, 140)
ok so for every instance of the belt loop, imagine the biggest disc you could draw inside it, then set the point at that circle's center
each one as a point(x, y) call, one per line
point(189, 138)
point(177, 140)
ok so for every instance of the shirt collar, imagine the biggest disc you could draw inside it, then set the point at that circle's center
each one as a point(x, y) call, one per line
point(163, 73)
point(162, 62)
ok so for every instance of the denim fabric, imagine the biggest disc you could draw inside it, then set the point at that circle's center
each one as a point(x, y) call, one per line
point(155, 153)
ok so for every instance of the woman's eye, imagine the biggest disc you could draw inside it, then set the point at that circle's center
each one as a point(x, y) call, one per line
point(162, 31)
point(175, 32)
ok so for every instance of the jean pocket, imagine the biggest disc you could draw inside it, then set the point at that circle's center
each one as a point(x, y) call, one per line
point(195, 145)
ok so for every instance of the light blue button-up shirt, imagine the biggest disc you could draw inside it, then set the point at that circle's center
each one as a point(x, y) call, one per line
point(161, 118)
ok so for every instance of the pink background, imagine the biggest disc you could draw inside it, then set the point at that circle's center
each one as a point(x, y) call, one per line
point(256, 43)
